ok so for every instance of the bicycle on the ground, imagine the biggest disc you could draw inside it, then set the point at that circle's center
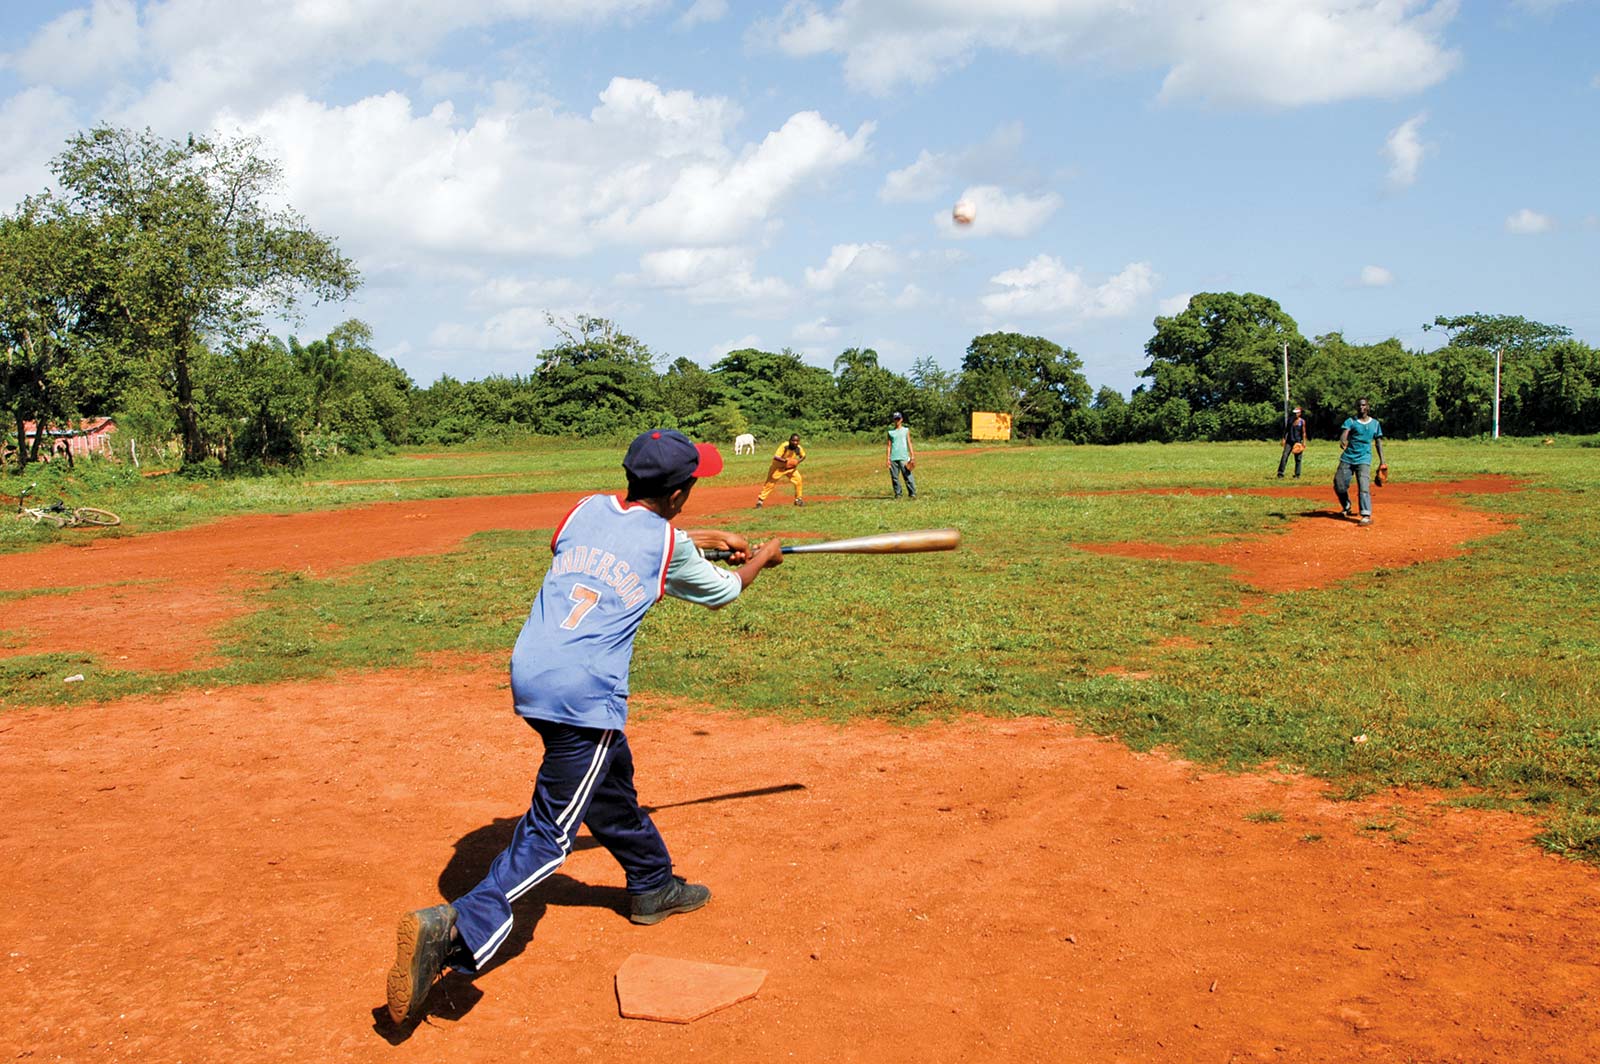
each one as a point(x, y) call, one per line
point(59, 515)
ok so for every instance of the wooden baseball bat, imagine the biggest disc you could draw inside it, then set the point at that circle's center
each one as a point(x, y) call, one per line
point(927, 539)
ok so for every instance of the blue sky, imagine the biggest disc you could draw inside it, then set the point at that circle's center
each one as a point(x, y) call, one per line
point(713, 175)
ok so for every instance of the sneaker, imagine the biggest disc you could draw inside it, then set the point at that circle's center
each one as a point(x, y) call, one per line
point(1345, 510)
point(759, 504)
point(799, 502)
point(1280, 476)
point(1365, 521)
point(677, 896)
point(423, 942)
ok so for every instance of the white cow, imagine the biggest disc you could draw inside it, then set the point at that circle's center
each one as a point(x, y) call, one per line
point(744, 444)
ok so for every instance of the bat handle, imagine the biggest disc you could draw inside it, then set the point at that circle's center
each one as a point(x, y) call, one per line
point(724, 555)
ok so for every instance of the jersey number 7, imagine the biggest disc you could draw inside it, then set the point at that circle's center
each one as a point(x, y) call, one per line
point(583, 599)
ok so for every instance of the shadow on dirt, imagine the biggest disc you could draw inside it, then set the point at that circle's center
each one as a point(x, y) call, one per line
point(455, 995)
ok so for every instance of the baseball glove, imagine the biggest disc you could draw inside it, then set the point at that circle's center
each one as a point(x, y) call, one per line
point(911, 463)
point(791, 462)
point(1298, 448)
point(1383, 475)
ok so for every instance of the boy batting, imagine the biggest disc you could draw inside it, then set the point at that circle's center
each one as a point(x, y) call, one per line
point(613, 560)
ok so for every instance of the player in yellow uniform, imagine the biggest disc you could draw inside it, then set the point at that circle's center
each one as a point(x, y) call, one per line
point(785, 466)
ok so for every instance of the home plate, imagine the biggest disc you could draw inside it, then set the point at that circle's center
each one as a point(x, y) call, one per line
point(674, 991)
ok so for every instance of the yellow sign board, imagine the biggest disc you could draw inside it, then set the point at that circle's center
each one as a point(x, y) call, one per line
point(987, 426)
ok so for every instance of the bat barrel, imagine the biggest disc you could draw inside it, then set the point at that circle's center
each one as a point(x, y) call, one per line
point(919, 542)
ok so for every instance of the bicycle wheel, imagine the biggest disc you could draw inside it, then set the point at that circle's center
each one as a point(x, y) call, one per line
point(88, 515)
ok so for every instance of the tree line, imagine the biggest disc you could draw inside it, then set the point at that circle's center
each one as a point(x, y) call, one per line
point(139, 289)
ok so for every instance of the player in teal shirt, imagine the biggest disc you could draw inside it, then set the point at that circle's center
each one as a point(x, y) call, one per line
point(901, 458)
point(1359, 437)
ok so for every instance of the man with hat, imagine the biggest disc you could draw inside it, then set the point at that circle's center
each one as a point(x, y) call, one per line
point(613, 559)
point(1294, 442)
point(900, 456)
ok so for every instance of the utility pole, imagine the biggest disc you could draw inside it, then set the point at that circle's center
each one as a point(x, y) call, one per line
point(1497, 352)
point(1286, 386)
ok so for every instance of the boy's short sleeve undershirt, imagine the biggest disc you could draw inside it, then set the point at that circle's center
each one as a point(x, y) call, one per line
point(691, 578)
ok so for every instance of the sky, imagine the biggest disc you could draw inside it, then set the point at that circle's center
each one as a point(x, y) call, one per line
point(712, 175)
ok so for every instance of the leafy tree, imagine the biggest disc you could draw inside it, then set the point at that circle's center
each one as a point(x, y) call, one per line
point(868, 393)
point(1037, 382)
point(933, 407)
point(46, 293)
point(1465, 394)
point(596, 381)
point(1514, 340)
point(778, 392)
point(256, 403)
point(1399, 384)
point(1491, 331)
point(1563, 391)
point(191, 249)
point(688, 391)
point(359, 401)
point(721, 422)
point(1222, 349)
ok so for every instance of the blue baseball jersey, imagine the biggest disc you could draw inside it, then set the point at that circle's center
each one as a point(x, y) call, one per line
point(570, 662)
point(612, 562)
point(1358, 449)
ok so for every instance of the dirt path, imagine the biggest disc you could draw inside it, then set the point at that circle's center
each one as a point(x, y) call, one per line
point(1411, 523)
point(152, 602)
point(216, 876)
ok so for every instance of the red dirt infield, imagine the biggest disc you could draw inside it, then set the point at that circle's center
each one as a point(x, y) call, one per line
point(215, 876)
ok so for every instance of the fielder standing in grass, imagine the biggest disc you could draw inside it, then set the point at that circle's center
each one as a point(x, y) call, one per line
point(614, 559)
point(1360, 436)
point(902, 458)
point(785, 466)
point(1294, 442)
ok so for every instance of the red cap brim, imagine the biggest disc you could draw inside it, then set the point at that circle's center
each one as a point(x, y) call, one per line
point(710, 460)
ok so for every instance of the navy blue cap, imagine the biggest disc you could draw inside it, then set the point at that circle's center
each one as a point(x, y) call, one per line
point(668, 458)
point(896, 416)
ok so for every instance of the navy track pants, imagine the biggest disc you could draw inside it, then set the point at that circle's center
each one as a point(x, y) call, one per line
point(586, 777)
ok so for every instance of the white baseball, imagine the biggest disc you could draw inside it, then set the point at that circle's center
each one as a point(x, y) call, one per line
point(964, 212)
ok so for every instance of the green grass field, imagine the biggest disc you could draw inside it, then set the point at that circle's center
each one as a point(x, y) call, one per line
point(1476, 675)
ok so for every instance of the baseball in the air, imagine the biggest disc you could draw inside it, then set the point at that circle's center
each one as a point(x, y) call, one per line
point(964, 212)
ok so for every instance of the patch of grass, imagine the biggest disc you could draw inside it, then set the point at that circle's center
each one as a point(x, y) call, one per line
point(1264, 816)
point(1476, 673)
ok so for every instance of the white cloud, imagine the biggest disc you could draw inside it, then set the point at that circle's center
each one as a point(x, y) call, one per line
point(1045, 288)
point(516, 329)
point(213, 54)
point(1001, 213)
point(709, 204)
point(1174, 305)
point(859, 260)
point(1527, 222)
point(1247, 51)
point(538, 292)
point(644, 167)
point(720, 350)
point(921, 181)
point(34, 126)
point(84, 45)
point(724, 275)
point(932, 173)
point(816, 332)
point(704, 11)
point(1376, 277)
point(1405, 150)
